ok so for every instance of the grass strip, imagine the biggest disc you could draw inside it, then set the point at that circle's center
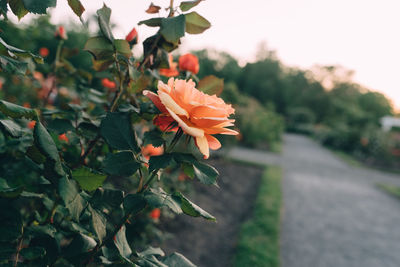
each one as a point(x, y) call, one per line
point(390, 189)
point(259, 237)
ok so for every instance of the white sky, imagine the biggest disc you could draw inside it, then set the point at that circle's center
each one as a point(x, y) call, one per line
point(362, 35)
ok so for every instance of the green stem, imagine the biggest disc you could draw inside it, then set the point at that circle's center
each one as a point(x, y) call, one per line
point(121, 89)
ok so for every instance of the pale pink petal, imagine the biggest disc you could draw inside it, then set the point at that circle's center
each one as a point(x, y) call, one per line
point(156, 100)
point(168, 102)
point(196, 132)
point(202, 144)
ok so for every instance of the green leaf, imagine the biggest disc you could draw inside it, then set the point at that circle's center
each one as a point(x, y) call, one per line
point(60, 126)
point(186, 5)
point(32, 253)
point(152, 251)
point(73, 201)
point(3, 8)
point(190, 208)
point(9, 192)
point(18, 8)
point(11, 128)
point(205, 173)
point(122, 244)
point(100, 48)
point(39, 7)
point(21, 53)
point(122, 47)
point(13, 66)
point(34, 154)
point(104, 15)
point(79, 245)
point(117, 130)
point(134, 203)
point(77, 7)
point(211, 85)
point(99, 223)
point(87, 179)
point(107, 199)
point(153, 22)
point(172, 29)
point(195, 23)
point(121, 163)
point(15, 111)
point(47, 147)
point(153, 137)
point(160, 162)
point(177, 260)
point(158, 198)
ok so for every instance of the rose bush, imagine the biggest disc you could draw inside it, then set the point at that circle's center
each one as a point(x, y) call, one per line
point(76, 187)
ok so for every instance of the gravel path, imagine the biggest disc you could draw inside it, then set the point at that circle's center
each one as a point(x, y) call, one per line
point(333, 214)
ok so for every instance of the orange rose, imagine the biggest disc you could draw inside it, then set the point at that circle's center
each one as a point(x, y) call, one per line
point(150, 150)
point(63, 137)
point(196, 113)
point(108, 83)
point(44, 51)
point(189, 62)
point(155, 213)
point(172, 71)
point(31, 124)
point(132, 37)
point(60, 33)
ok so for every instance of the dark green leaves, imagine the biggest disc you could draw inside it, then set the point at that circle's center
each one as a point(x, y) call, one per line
point(15, 111)
point(77, 7)
point(160, 162)
point(122, 47)
point(104, 15)
point(158, 198)
point(100, 48)
point(79, 245)
point(177, 202)
point(16, 52)
point(205, 173)
point(172, 29)
point(39, 7)
point(11, 128)
point(122, 244)
point(117, 131)
point(190, 208)
point(98, 223)
point(153, 137)
point(32, 253)
point(18, 8)
point(177, 260)
point(47, 147)
point(13, 66)
point(9, 192)
point(186, 5)
point(195, 23)
point(122, 164)
point(153, 22)
point(134, 203)
point(87, 179)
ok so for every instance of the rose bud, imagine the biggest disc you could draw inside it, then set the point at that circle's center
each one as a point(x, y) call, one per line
point(190, 63)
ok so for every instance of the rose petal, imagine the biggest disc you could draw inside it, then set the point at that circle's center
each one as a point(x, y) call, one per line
point(202, 144)
point(164, 122)
point(215, 130)
point(196, 132)
point(169, 103)
point(156, 100)
point(163, 87)
point(209, 122)
point(208, 111)
point(213, 142)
